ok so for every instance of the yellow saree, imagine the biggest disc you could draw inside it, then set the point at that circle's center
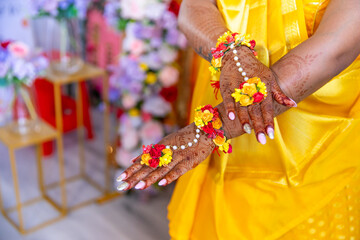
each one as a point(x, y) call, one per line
point(290, 187)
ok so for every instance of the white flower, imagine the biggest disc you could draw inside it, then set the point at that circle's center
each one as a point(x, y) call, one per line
point(154, 10)
point(156, 106)
point(133, 9)
point(167, 53)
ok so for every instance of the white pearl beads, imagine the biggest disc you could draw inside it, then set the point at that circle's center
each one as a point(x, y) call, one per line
point(238, 64)
point(189, 144)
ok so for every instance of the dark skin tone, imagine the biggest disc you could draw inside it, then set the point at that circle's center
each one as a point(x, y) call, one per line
point(299, 73)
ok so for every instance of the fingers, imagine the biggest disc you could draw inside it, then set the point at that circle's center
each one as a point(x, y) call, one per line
point(179, 170)
point(268, 116)
point(257, 122)
point(132, 180)
point(131, 170)
point(227, 87)
point(244, 119)
point(156, 175)
point(280, 97)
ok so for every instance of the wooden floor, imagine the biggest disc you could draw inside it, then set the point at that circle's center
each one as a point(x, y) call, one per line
point(125, 218)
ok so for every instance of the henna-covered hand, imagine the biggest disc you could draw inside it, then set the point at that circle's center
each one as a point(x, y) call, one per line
point(260, 116)
point(141, 176)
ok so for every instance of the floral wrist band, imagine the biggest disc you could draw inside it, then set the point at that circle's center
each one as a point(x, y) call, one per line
point(208, 120)
point(226, 42)
point(157, 155)
point(252, 90)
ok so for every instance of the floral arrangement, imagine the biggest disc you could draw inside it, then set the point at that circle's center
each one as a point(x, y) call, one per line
point(226, 42)
point(207, 119)
point(143, 83)
point(60, 9)
point(251, 91)
point(18, 65)
point(156, 155)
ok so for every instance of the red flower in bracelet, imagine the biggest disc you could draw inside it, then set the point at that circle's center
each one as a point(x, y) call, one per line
point(156, 155)
point(207, 119)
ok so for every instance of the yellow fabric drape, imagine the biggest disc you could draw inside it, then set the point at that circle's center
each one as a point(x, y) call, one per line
point(262, 192)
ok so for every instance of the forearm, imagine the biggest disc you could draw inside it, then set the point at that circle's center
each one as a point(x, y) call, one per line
point(202, 24)
point(334, 46)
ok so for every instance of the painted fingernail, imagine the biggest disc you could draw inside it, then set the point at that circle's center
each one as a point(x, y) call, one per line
point(261, 138)
point(231, 115)
point(121, 177)
point(162, 182)
point(140, 185)
point(295, 104)
point(270, 132)
point(247, 128)
point(123, 186)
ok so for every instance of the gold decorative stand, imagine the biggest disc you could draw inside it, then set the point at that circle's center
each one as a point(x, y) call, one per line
point(86, 73)
point(15, 141)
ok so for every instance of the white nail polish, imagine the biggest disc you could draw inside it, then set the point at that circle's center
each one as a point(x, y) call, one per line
point(247, 128)
point(270, 132)
point(123, 186)
point(121, 177)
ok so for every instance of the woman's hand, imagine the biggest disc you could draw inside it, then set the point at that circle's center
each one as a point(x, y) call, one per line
point(259, 116)
point(141, 176)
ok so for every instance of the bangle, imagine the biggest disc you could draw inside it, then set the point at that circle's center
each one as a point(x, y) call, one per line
point(208, 120)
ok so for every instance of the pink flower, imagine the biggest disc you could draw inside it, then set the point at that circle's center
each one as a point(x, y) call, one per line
point(18, 49)
point(137, 47)
point(151, 132)
point(129, 101)
point(129, 139)
point(169, 76)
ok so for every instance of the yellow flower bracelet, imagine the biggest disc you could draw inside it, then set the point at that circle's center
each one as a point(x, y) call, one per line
point(208, 120)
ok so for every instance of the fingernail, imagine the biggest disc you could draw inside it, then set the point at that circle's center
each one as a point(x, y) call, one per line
point(140, 185)
point(162, 182)
point(247, 128)
point(123, 186)
point(121, 177)
point(295, 104)
point(270, 132)
point(261, 138)
point(231, 115)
